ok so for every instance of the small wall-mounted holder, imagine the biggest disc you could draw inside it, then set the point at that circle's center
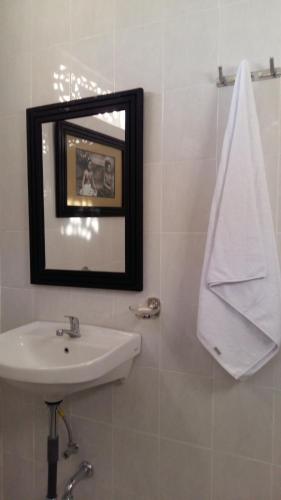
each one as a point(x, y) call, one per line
point(259, 75)
point(151, 309)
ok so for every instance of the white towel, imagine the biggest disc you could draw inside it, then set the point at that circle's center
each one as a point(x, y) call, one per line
point(239, 317)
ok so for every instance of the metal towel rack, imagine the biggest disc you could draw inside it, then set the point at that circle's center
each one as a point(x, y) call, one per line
point(271, 72)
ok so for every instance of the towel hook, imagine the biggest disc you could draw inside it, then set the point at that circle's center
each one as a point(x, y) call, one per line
point(256, 76)
point(272, 67)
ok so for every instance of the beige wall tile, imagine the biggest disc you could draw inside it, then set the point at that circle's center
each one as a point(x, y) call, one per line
point(238, 479)
point(190, 139)
point(186, 407)
point(92, 306)
point(50, 23)
point(243, 419)
point(135, 13)
point(1, 487)
point(91, 17)
point(50, 64)
point(122, 316)
point(138, 58)
point(182, 256)
point(152, 197)
point(95, 403)
point(276, 362)
point(178, 7)
point(18, 482)
point(249, 18)
point(18, 429)
point(153, 131)
point(15, 259)
point(276, 487)
point(17, 307)
point(88, 490)
point(15, 90)
point(229, 2)
point(185, 472)
point(15, 26)
point(277, 429)
point(93, 59)
point(150, 331)
point(187, 194)
point(13, 189)
point(95, 445)
point(135, 463)
point(124, 495)
point(198, 35)
point(52, 303)
point(135, 403)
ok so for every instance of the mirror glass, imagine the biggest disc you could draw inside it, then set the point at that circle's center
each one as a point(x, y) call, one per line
point(83, 243)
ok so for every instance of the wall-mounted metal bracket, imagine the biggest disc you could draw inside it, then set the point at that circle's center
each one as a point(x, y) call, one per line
point(259, 75)
point(151, 309)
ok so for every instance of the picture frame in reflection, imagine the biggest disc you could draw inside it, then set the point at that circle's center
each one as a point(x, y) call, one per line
point(89, 172)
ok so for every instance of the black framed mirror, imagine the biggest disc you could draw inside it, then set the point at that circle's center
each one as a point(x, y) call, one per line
point(85, 162)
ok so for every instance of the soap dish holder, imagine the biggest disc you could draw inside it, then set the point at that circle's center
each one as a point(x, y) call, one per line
point(151, 309)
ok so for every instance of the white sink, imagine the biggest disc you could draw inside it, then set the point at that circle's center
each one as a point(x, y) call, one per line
point(35, 358)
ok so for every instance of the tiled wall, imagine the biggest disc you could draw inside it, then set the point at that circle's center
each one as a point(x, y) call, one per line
point(179, 428)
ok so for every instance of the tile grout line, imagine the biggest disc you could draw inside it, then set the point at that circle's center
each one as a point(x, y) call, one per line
point(272, 442)
point(218, 89)
point(112, 446)
point(31, 54)
point(277, 188)
point(277, 194)
point(278, 162)
point(212, 437)
point(113, 302)
point(211, 494)
point(163, 24)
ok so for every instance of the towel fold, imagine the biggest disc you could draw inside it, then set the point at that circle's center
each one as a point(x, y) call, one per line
point(239, 317)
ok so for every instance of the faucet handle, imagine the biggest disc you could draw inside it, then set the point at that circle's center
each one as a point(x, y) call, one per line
point(74, 321)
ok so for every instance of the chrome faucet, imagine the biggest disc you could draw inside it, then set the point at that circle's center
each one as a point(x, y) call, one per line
point(74, 330)
point(85, 470)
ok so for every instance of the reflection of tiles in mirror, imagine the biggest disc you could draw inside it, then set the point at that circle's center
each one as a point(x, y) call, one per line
point(114, 126)
point(86, 244)
point(82, 228)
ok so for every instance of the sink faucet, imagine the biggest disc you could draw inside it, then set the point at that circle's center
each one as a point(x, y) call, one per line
point(74, 330)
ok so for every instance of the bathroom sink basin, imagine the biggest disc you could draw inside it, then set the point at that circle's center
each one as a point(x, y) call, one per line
point(36, 359)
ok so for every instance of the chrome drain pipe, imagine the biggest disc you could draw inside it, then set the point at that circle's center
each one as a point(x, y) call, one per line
point(53, 450)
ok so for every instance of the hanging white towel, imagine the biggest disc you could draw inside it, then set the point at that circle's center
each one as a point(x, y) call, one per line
point(239, 317)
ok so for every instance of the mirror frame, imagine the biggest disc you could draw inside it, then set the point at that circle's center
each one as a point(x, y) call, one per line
point(132, 279)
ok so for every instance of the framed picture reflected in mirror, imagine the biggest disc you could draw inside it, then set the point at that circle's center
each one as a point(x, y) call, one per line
point(89, 172)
